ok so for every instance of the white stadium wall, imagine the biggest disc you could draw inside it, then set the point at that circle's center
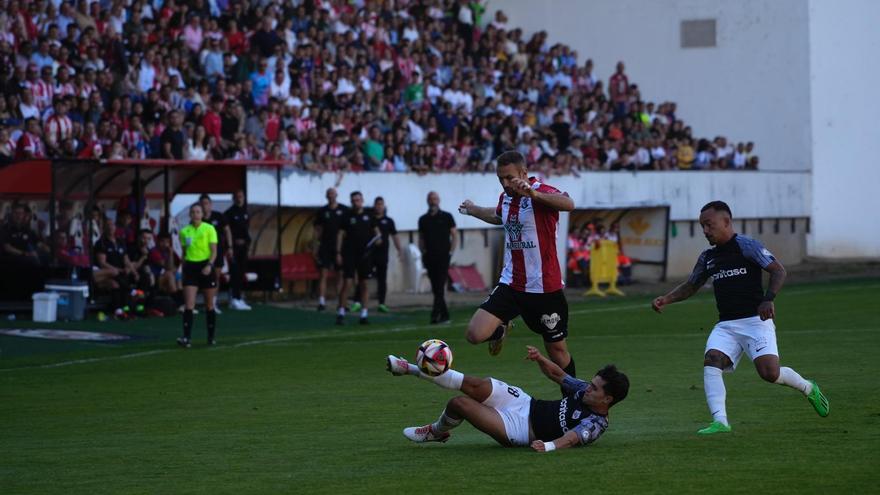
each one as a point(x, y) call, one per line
point(844, 70)
point(752, 195)
point(752, 86)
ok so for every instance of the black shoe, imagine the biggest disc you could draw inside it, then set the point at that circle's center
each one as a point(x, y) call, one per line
point(340, 320)
point(212, 342)
point(183, 342)
point(322, 307)
point(365, 321)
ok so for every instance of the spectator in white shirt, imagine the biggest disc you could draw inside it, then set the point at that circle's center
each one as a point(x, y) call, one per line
point(739, 157)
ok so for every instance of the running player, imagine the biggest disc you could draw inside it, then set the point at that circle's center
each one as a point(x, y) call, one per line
point(510, 416)
point(745, 316)
point(531, 282)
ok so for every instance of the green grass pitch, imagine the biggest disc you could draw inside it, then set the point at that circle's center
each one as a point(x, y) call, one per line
point(289, 403)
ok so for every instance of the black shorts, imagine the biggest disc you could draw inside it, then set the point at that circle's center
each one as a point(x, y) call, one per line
point(326, 259)
point(544, 313)
point(193, 276)
point(357, 263)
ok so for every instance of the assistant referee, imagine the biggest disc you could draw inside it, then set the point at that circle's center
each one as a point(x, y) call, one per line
point(199, 242)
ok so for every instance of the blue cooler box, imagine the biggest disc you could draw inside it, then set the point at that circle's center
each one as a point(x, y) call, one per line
point(72, 298)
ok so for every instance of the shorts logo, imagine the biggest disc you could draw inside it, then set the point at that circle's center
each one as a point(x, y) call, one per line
point(550, 321)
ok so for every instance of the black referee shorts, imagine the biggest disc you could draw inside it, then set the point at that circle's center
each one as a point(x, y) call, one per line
point(544, 313)
point(193, 276)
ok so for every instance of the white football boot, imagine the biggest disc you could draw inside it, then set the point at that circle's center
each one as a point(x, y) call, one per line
point(422, 434)
point(397, 366)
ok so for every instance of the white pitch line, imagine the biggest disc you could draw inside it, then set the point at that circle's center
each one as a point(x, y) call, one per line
point(380, 331)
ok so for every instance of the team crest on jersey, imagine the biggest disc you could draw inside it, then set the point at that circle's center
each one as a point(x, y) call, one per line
point(525, 204)
point(576, 414)
point(513, 228)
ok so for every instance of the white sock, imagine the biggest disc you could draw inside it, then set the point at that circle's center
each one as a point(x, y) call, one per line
point(363, 312)
point(790, 377)
point(716, 394)
point(341, 311)
point(321, 301)
point(445, 423)
point(450, 380)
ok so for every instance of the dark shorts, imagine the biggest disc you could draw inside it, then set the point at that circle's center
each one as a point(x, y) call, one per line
point(193, 276)
point(221, 258)
point(326, 259)
point(357, 263)
point(545, 314)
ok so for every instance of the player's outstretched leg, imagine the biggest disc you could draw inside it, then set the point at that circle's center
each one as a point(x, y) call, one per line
point(768, 368)
point(716, 394)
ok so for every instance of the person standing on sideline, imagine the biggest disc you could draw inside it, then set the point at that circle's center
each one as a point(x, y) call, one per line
point(327, 222)
point(437, 238)
point(531, 282)
point(238, 223)
point(218, 221)
point(199, 242)
point(380, 253)
point(358, 233)
point(745, 313)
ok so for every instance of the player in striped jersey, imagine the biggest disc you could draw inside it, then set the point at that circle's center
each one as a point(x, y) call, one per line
point(531, 281)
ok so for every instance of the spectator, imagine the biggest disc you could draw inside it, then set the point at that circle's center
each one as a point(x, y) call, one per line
point(19, 242)
point(173, 138)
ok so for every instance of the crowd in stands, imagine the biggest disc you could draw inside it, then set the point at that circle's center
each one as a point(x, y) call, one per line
point(326, 85)
point(125, 261)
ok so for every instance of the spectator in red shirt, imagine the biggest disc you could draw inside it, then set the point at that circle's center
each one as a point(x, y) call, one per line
point(30, 144)
point(618, 88)
point(212, 121)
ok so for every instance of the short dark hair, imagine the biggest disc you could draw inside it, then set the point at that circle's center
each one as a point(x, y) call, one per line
point(355, 193)
point(145, 231)
point(616, 383)
point(511, 158)
point(379, 198)
point(204, 197)
point(717, 206)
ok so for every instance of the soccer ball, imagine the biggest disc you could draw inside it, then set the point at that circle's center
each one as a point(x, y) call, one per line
point(434, 357)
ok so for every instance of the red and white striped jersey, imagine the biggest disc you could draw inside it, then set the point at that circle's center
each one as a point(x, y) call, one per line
point(29, 143)
point(58, 129)
point(43, 93)
point(530, 261)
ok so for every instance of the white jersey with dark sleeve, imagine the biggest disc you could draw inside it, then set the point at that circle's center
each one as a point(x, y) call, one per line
point(552, 419)
point(735, 269)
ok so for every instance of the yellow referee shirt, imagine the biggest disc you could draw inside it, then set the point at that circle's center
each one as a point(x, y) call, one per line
point(197, 242)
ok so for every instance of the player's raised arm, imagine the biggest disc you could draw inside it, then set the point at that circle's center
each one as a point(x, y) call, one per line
point(687, 288)
point(545, 195)
point(488, 215)
point(548, 367)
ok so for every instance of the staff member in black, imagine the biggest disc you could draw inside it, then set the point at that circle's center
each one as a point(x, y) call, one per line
point(358, 234)
point(327, 222)
point(218, 221)
point(380, 253)
point(238, 223)
point(437, 236)
point(199, 243)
